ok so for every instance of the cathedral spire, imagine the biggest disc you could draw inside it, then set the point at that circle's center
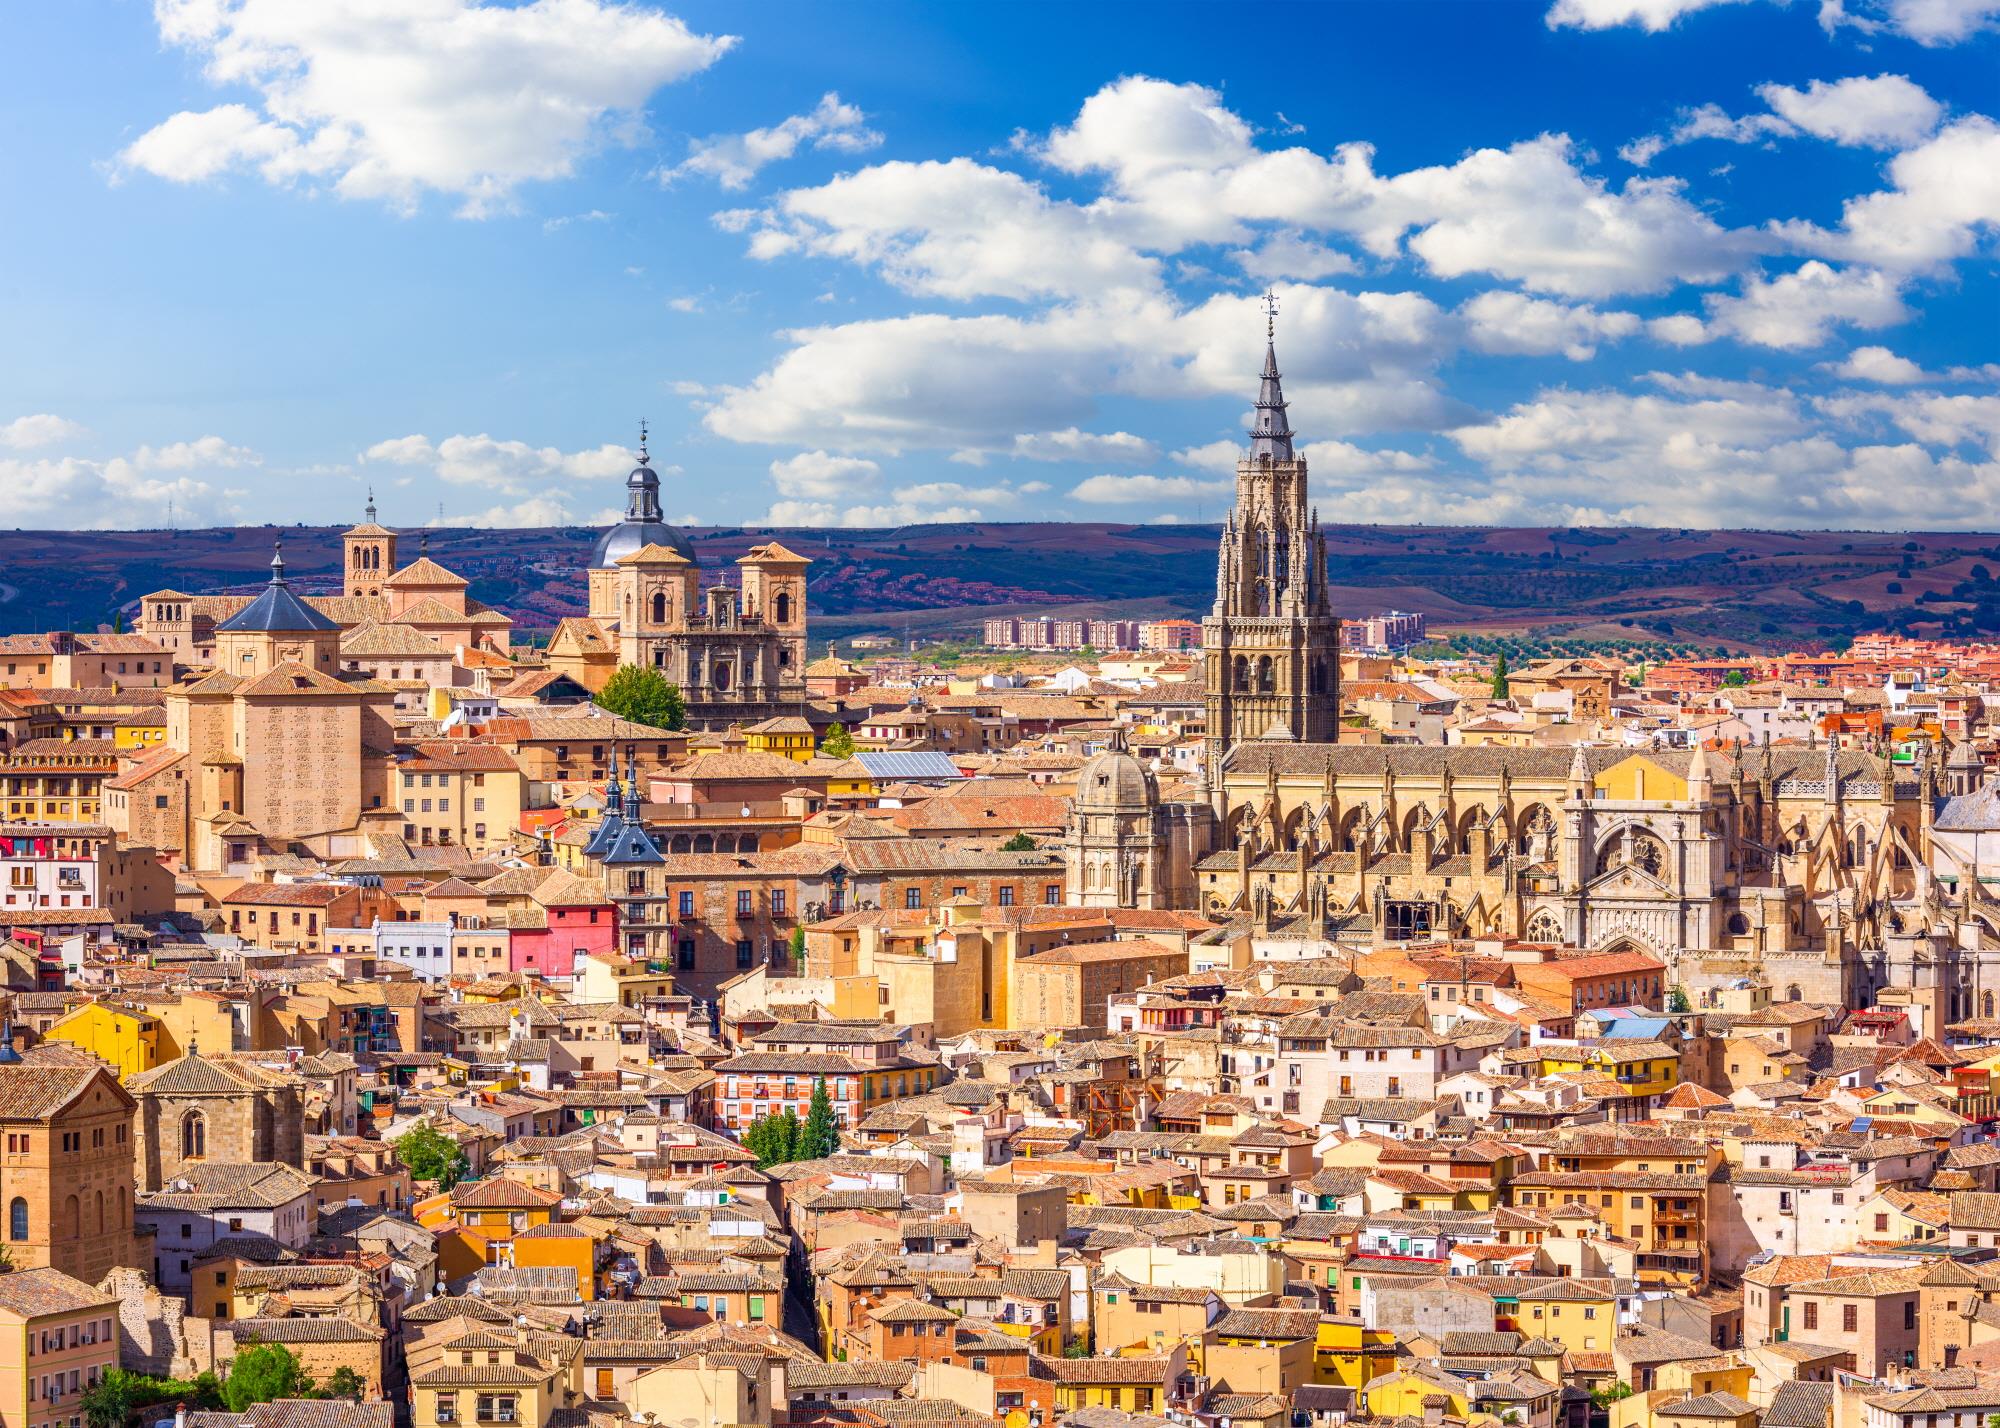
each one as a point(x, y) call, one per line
point(1271, 433)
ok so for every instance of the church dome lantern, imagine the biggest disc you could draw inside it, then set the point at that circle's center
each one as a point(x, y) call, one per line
point(643, 524)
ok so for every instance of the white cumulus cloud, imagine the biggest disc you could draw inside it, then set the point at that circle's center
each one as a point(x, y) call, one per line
point(1132, 490)
point(25, 433)
point(512, 467)
point(816, 476)
point(733, 160)
point(392, 99)
point(1514, 322)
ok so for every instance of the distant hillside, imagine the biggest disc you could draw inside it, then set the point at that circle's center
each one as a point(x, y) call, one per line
point(1759, 588)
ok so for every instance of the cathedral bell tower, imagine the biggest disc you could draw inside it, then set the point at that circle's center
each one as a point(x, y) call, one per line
point(1271, 644)
point(369, 555)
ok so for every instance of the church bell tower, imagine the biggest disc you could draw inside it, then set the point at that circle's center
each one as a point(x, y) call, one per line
point(1271, 644)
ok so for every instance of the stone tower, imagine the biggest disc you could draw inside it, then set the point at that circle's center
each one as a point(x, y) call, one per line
point(1272, 642)
point(370, 552)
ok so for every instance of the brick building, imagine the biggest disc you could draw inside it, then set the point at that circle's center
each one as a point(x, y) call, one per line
point(1072, 986)
point(66, 1172)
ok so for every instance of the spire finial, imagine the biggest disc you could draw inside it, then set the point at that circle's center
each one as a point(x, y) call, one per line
point(278, 560)
point(423, 542)
point(1270, 301)
point(371, 503)
point(642, 441)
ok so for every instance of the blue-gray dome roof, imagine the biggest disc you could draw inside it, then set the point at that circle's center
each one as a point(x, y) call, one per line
point(642, 525)
point(277, 609)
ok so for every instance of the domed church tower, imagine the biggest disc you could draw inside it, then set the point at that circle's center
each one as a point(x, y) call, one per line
point(1114, 849)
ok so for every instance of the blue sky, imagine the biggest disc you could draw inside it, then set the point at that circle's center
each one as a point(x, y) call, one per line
point(1680, 262)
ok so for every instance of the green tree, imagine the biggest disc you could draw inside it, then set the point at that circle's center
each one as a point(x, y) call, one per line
point(1677, 1001)
point(821, 1137)
point(645, 696)
point(1735, 679)
point(345, 1383)
point(1019, 843)
point(121, 1393)
point(778, 1138)
point(798, 946)
point(261, 1373)
point(757, 1140)
point(837, 743)
point(1500, 675)
point(429, 1154)
point(1605, 1397)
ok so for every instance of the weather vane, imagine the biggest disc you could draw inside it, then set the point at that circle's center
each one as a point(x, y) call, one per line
point(1270, 314)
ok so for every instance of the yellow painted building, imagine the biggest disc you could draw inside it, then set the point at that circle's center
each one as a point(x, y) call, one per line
point(787, 736)
point(1133, 1383)
point(1403, 1393)
point(128, 1041)
point(548, 1246)
point(1637, 780)
point(1641, 1068)
point(1347, 1352)
point(487, 1378)
point(1571, 1313)
point(134, 735)
point(191, 1021)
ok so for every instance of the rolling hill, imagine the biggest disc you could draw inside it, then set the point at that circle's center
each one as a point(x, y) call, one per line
point(1742, 588)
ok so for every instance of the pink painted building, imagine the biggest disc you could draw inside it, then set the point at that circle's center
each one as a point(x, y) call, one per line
point(576, 917)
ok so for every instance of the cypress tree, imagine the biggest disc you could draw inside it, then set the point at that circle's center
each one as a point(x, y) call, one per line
point(822, 1134)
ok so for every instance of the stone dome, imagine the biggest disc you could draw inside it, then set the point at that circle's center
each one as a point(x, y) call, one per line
point(642, 525)
point(1115, 779)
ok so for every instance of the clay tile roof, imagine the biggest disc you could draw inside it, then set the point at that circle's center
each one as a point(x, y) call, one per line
point(31, 1092)
point(653, 554)
point(425, 571)
point(501, 1194)
point(30, 1292)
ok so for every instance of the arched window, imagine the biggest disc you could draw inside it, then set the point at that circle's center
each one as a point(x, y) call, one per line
point(1242, 680)
point(17, 1219)
point(659, 607)
point(781, 608)
point(1264, 684)
point(1985, 1005)
point(194, 1136)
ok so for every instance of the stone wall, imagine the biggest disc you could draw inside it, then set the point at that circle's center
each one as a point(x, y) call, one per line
point(153, 1336)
